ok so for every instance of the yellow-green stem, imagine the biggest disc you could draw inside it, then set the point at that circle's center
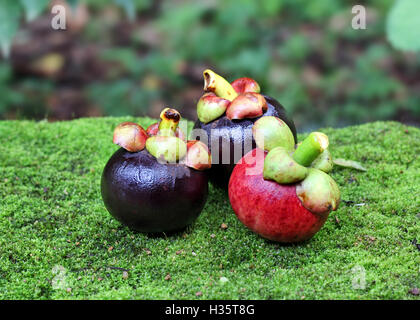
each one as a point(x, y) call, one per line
point(311, 148)
point(219, 85)
point(169, 120)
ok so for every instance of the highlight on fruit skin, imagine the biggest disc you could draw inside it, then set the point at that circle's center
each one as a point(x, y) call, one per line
point(198, 156)
point(130, 136)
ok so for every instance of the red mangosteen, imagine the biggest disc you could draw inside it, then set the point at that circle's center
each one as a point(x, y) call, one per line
point(155, 182)
point(280, 191)
point(226, 114)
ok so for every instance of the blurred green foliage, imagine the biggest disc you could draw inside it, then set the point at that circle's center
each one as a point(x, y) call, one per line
point(7, 97)
point(304, 53)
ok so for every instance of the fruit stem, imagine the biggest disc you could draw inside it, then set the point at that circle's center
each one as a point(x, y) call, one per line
point(311, 148)
point(219, 85)
point(169, 120)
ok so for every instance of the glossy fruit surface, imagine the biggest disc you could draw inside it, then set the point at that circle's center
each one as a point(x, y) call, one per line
point(149, 196)
point(269, 209)
point(223, 131)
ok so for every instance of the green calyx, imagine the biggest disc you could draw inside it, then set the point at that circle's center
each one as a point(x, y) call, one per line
point(198, 156)
point(166, 148)
point(280, 167)
point(210, 107)
point(307, 166)
point(318, 192)
point(130, 136)
point(238, 100)
point(271, 132)
point(323, 162)
point(282, 164)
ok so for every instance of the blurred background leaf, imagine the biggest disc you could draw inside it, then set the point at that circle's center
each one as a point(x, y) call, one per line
point(33, 8)
point(129, 7)
point(404, 25)
point(9, 22)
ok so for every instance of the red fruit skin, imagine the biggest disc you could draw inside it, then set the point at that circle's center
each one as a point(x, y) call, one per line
point(267, 208)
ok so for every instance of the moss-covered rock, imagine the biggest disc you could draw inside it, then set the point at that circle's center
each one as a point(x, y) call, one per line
point(58, 241)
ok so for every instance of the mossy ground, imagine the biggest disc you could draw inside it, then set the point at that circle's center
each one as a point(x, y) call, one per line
point(57, 241)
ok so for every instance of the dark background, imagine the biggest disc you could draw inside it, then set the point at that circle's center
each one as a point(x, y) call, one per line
point(113, 60)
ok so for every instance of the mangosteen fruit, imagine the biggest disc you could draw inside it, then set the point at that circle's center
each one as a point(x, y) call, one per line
point(226, 114)
point(282, 192)
point(155, 182)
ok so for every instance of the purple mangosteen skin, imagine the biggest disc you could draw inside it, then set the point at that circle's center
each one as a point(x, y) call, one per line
point(237, 132)
point(149, 196)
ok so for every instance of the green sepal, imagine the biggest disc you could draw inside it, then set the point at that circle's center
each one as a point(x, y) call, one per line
point(323, 162)
point(280, 167)
point(271, 132)
point(318, 192)
point(169, 148)
point(210, 107)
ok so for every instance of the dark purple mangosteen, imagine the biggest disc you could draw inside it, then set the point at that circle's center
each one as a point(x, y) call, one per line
point(155, 183)
point(227, 113)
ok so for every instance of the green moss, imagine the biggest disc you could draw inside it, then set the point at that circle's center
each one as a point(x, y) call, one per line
point(52, 215)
